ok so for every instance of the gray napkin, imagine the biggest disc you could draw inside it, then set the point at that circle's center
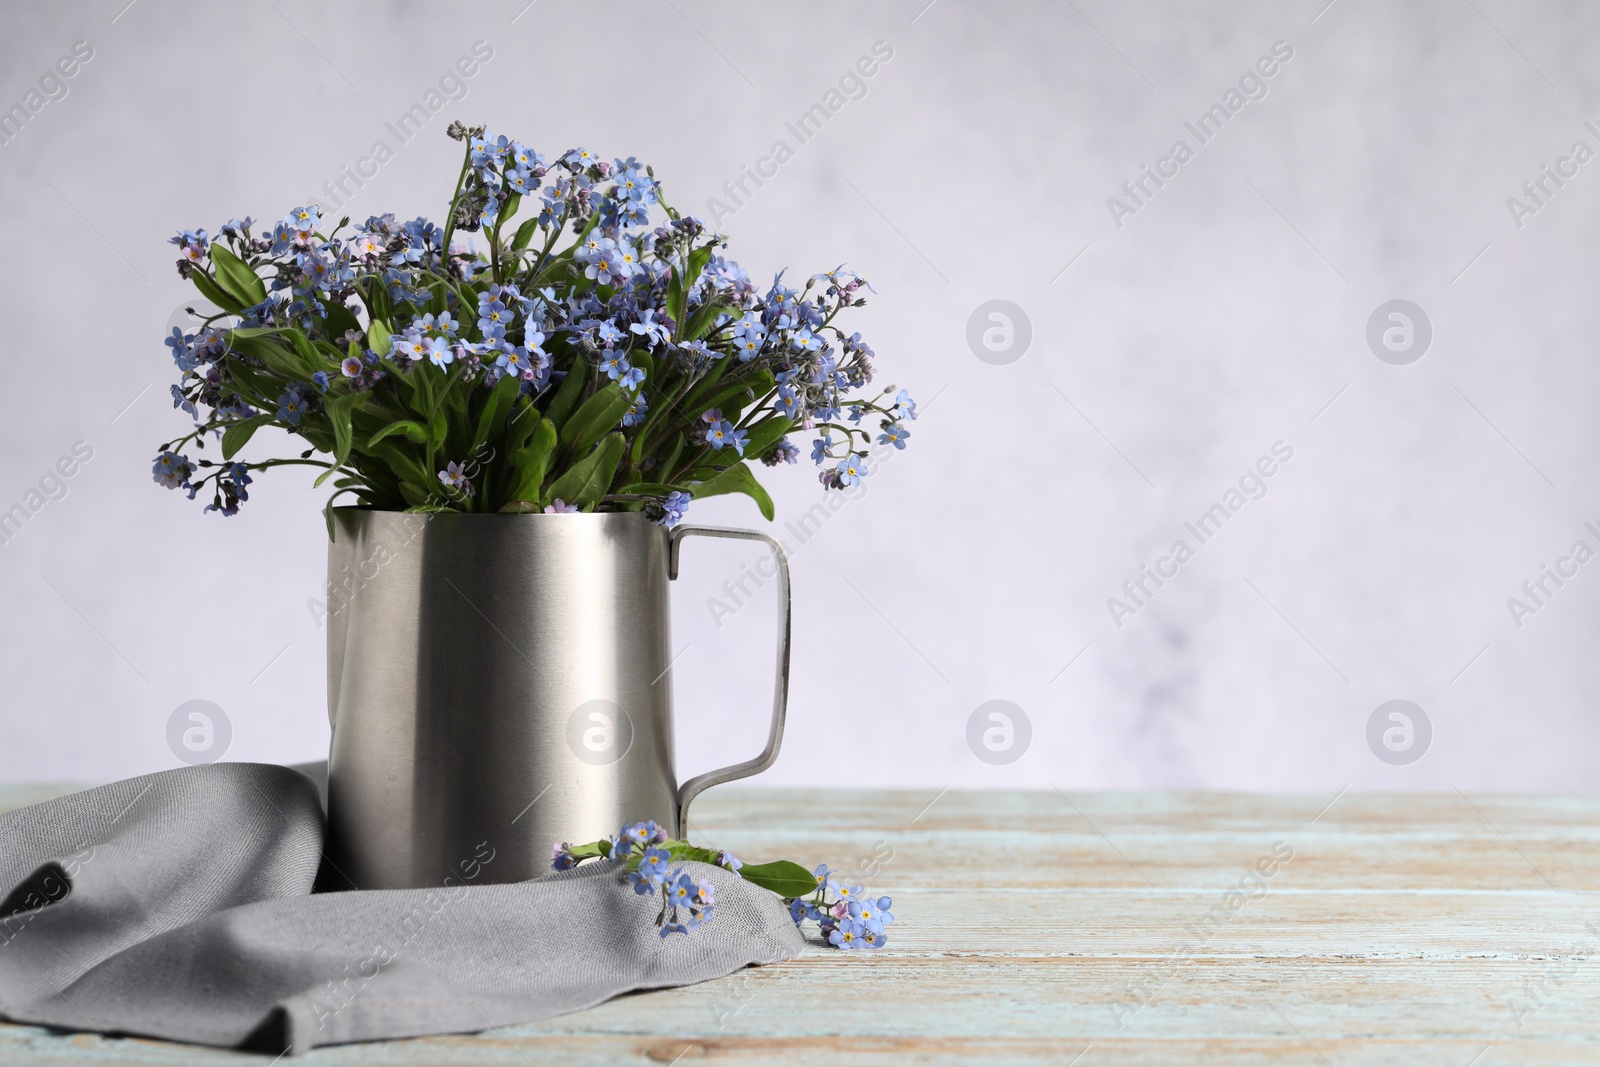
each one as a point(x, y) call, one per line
point(178, 905)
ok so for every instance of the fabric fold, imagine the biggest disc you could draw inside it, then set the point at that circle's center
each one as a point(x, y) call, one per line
point(179, 905)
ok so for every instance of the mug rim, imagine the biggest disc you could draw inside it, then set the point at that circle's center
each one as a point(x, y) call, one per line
point(363, 509)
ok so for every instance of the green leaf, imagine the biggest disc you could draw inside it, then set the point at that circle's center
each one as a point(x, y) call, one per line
point(532, 461)
point(586, 481)
point(378, 337)
point(431, 406)
point(439, 297)
point(765, 434)
point(682, 850)
point(279, 360)
point(214, 292)
point(316, 436)
point(309, 356)
point(327, 509)
point(566, 397)
point(524, 235)
point(597, 415)
point(691, 402)
point(697, 263)
point(339, 411)
point(702, 320)
point(675, 298)
point(407, 468)
point(374, 293)
point(494, 412)
point(747, 389)
point(236, 277)
point(507, 210)
point(339, 320)
point(673, 453)
point(520, 426)
point(653, 489)
point(737, 479)
point(412, 495)
point(415, 431)
point(787, 879)
point(238, 434)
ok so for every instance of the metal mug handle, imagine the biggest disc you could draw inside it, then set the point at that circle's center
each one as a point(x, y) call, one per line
point(701, 782)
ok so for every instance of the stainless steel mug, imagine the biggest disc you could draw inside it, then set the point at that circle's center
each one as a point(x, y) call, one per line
point(497, 683)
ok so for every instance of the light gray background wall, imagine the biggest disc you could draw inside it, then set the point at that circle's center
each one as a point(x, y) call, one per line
point(1227, 314)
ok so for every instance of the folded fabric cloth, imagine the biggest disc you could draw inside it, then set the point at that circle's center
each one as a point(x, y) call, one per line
point(179, 905)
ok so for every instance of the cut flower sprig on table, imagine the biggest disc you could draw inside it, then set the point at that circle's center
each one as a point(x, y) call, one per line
point(845, 916)
point(599, 353)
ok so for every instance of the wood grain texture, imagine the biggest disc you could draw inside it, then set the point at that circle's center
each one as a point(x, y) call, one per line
point(1097, 929)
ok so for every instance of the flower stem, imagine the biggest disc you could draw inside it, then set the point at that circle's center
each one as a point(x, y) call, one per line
point(461, 181)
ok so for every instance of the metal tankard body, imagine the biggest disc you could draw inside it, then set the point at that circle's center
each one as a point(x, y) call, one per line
point(498, 683)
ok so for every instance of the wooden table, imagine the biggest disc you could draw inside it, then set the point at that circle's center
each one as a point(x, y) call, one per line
point(1111, 928)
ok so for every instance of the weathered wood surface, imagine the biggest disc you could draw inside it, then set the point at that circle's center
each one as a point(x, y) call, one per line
point(1096, 929)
